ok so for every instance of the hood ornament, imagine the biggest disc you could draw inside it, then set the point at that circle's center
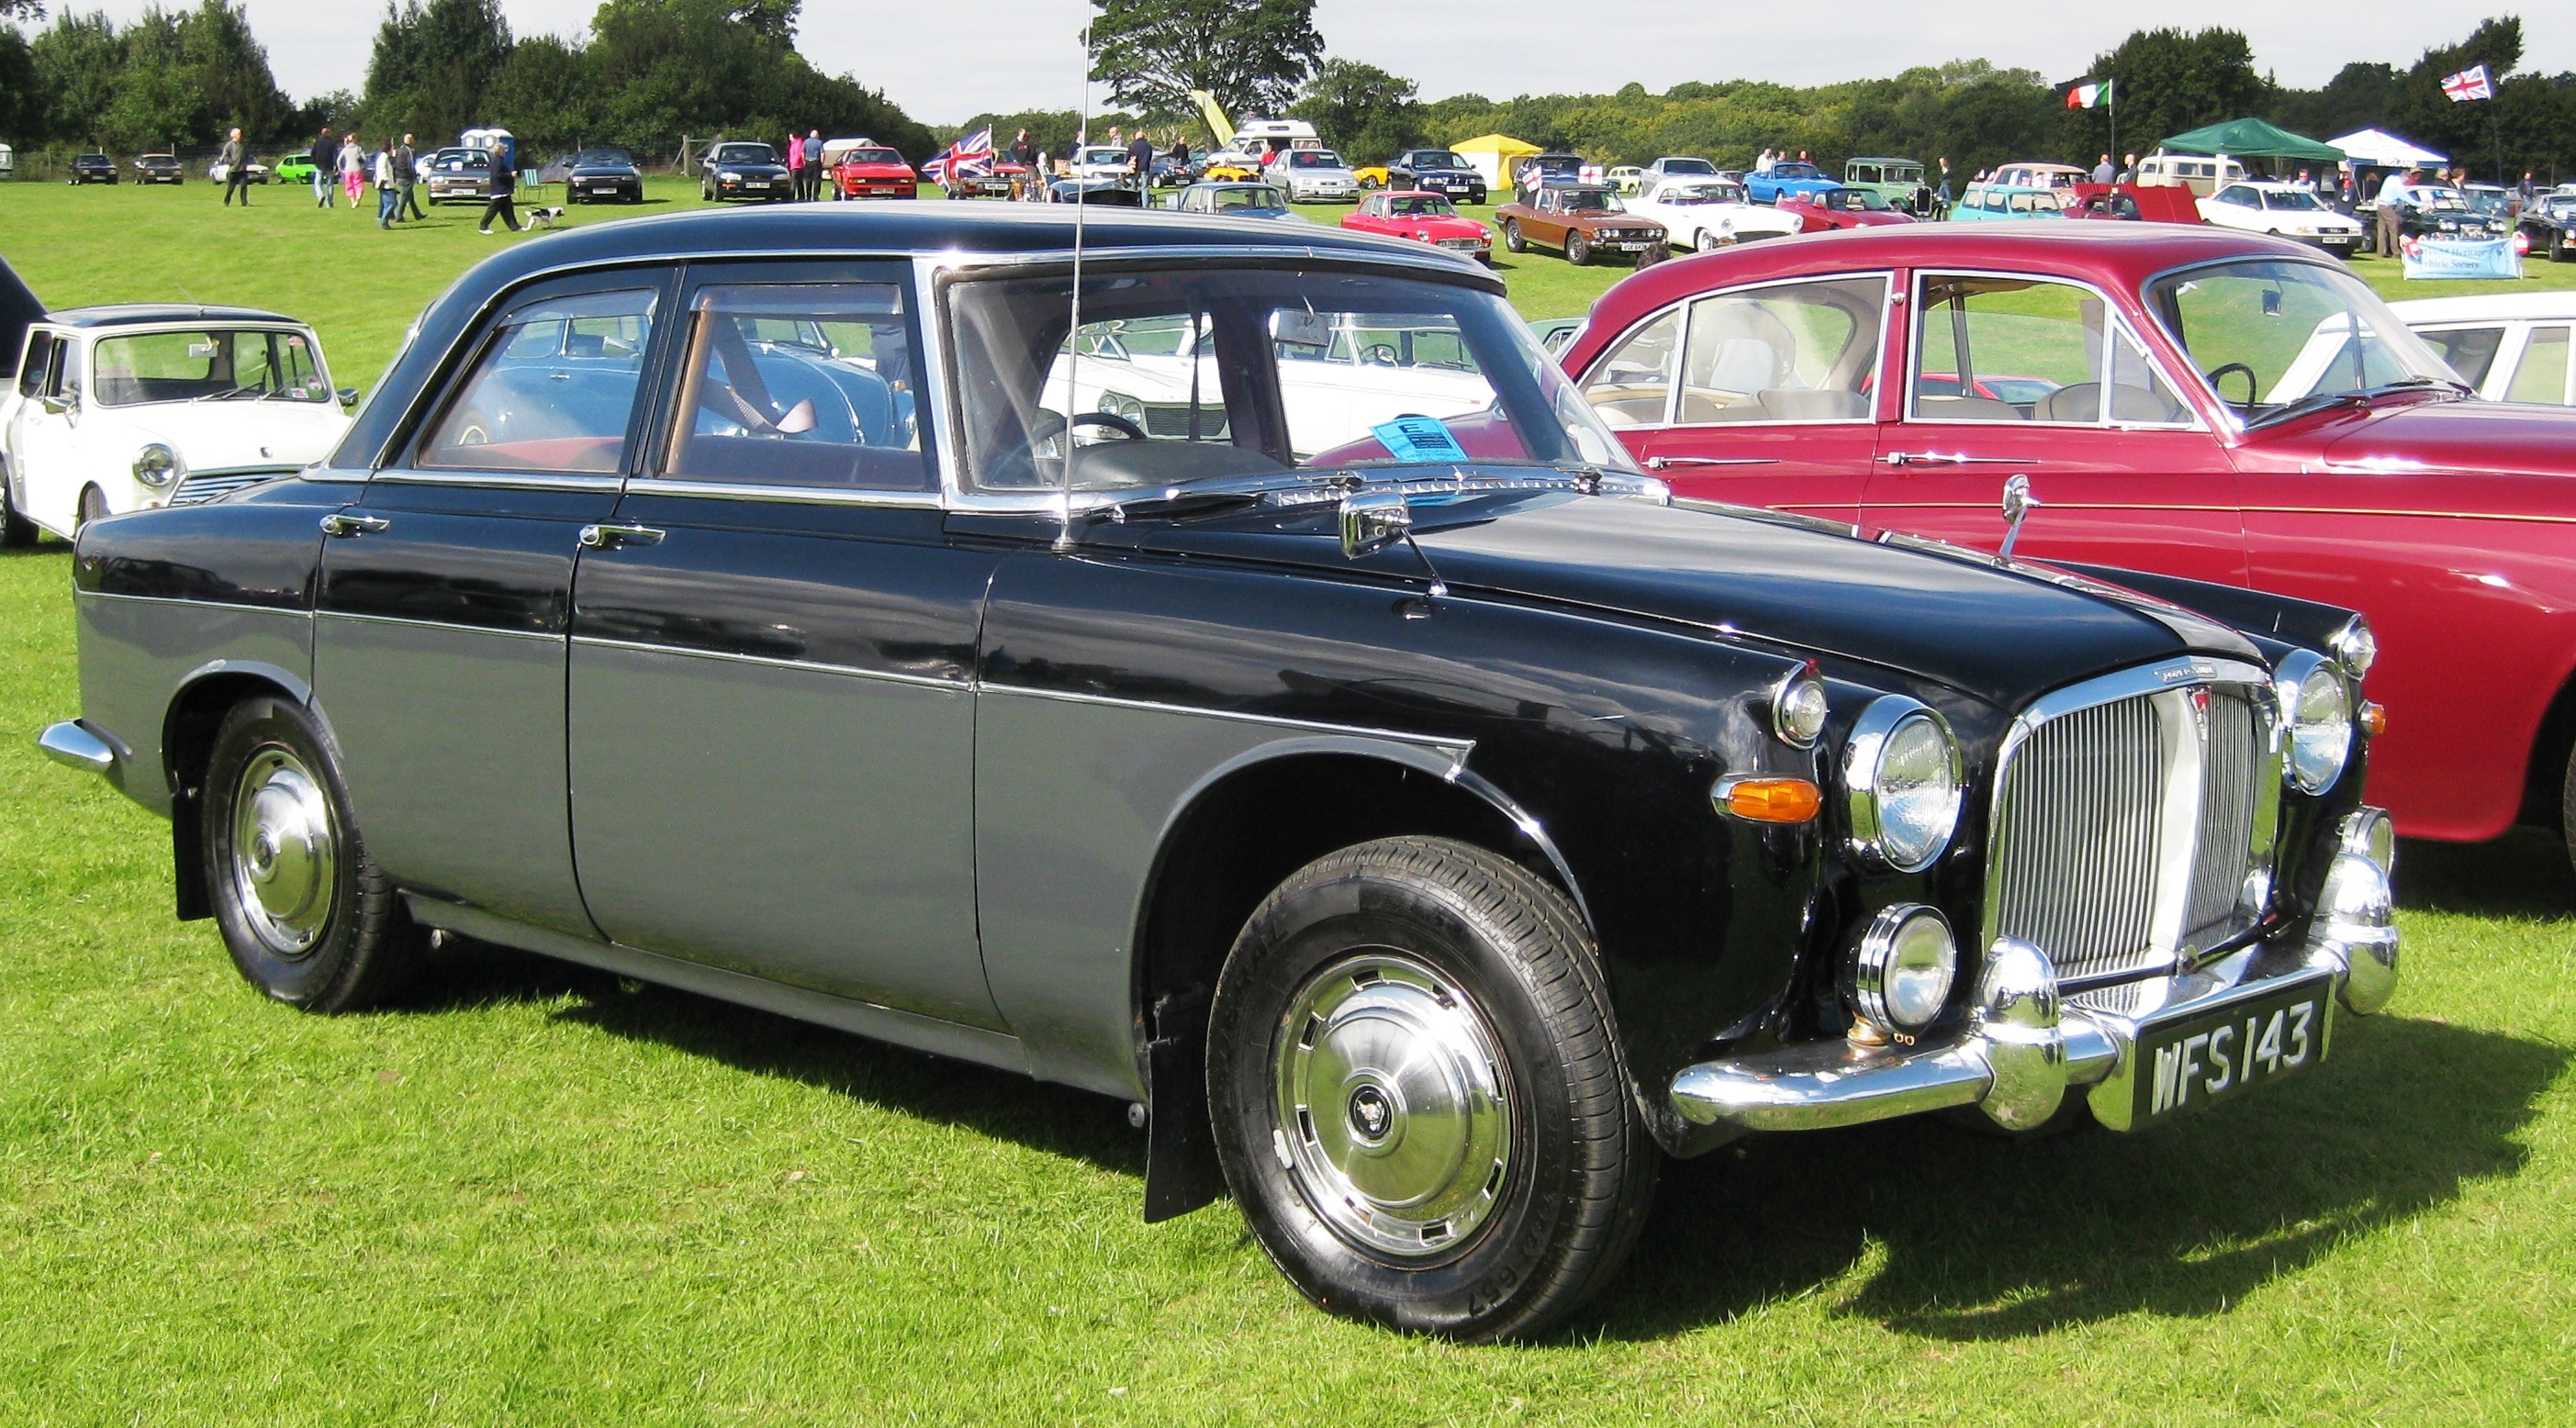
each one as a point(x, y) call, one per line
point(2018, 504)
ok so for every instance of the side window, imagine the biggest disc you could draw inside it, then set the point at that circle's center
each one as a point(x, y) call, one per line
point(2007, 349)
point(799, 384)
point(2542, 377)
point(36, 372)
point(554, 389)
point(2471, 351)
point(1631, 385)
point(1796, 352)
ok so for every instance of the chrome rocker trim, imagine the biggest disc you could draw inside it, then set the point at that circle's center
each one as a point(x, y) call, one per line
point(2022, 1050)
point(73, 744)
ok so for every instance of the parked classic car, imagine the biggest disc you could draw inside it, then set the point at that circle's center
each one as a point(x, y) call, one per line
point(2269, 424)
point(2203, 174)
point(741, 168)
point(1582, 219)
point(1314, 176)
point(2548, 227)
point(2511, 347)
point(460, 175)
point(1676, 166)
point(1236, 200)
point(603, 175)
point(864, 168)
point(298, 168)
point(1624, 178)
point(1425, 837)
point(1099, 191)
point(252, 169)
point(1423, 217)
point(2436, 210)
point(1532, 172)
point(159, 168)
point(2132, 203)
point(1706, 212)
point(1824, 210)
point(2030, 175)
point(1436, 171)
point(93, 168)
point(130, 407)
point(1232, 165)
point(2285, 211)
point(1785, 177)
point(1899, 181)
point(1980, 202)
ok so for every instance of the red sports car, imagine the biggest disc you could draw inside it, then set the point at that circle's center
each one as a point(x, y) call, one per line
point(871, 171)
point(1423, 217)
point(1827, 209)
point(2223, 406)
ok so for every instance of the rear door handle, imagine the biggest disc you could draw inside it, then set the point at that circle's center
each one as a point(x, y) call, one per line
point(611, 537)
point(341, 524)
point(1937, 458)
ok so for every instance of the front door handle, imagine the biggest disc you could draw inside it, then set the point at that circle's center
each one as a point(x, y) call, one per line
point(1939, 458)
point(339, 524)
point(611, 537)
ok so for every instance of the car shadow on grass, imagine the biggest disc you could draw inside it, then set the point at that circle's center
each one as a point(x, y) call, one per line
point(2523, 874)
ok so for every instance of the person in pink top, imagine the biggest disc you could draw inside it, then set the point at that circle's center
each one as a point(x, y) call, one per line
point(795, 166)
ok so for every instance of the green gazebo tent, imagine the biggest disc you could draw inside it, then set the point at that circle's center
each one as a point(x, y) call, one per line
point(2253, 139)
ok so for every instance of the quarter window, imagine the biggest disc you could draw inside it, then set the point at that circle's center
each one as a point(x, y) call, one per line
point(799, 384)
point(553, 391)
point(2471, 351)
point(2542, 377)
point(1633, 384)
point(1796, 352)
point(35, 375)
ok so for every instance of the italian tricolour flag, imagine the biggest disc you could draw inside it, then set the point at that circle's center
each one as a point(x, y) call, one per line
point(2089, 96)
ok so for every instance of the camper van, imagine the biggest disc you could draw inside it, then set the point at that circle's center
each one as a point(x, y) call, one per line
point(2202, 174)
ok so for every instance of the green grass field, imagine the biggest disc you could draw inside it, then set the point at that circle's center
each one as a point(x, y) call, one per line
point(535, 1194)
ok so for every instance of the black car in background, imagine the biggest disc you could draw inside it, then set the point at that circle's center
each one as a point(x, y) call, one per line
point(159, 168)
point(460, 176)
point(1436, 171)
point(603, 175)
point(1536, 171)
point(2550, 225)
point(93, 168)
point(742, 169)
point(2441, 211)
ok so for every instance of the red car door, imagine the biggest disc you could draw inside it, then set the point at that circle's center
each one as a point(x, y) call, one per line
point(2011, 375)
point(1761, 395)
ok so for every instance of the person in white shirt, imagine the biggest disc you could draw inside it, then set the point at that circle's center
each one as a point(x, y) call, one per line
point(1762, 163)
point(2392, 197)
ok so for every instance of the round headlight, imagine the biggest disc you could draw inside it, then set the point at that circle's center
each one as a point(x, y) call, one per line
point(1119, 404)
point(1901, 777)
point(2355, 646)
point(1899, 974)
point(1798, 707)
point(157, 466)
point(2317, 708)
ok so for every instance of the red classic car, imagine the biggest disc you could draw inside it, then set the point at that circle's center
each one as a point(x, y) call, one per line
point(1827, 209)
point(2222, 406)
point(2133, 202)
point(1423, 217)
point(871, 171)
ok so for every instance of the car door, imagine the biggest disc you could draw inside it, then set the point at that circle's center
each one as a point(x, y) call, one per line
point(2007, 375)
point(440, 633)
point(771, 705)
point(1763, 395)
point(40, 431)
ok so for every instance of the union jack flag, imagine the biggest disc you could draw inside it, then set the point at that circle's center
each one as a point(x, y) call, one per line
point(2468, 84)
point(967, 158)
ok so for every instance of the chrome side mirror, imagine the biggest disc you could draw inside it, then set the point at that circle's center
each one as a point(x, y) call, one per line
point(1374, 520)
point(348, 396)
point(2018, 504)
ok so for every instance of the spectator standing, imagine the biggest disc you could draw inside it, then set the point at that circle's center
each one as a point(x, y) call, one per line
point(2392, 197)
point(814, 174)
point(325, 160)
point(1762, 164)
point(2526, 192)
point(388, 202)
point(505, 187)
point(1140, 161)
point(1942, 197)
point(407, 179)
point(2103, 173)
point(1026, 157)
point(236, 164)
point(795, 166)
point(1180, 159)
point(353, 169)
point(2305, 182)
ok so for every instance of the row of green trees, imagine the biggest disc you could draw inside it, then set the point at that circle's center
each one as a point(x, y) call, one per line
point(171, 77)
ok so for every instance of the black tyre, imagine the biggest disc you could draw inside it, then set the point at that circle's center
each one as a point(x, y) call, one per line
point(15, 529)
point(2567, 808)
point(1512, 238)
point(308, 917)
point(93, 505)
point(1418, 1097)
point(1578, 249)
point(1654, 253)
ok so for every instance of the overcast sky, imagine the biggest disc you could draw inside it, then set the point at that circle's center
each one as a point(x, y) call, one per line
point(943, 64)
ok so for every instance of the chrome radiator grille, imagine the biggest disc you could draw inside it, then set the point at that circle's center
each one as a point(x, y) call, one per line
point(2127, 815)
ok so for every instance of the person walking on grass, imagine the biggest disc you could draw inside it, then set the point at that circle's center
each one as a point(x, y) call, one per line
point(236, 164)
point(407, 180)
point(388, 199)
point(325, 159)
point(814, 175)
point(795, 167)
point(353, 168)
point(505, 185)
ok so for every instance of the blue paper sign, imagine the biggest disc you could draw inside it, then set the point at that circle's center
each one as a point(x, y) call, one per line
point(2460, 258)
point(1418, 438)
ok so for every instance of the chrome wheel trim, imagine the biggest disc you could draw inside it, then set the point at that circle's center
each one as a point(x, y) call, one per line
point(285, 853)
point(1395, 1106)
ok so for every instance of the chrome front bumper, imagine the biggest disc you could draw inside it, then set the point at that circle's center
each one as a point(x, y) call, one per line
point(2023, 1050)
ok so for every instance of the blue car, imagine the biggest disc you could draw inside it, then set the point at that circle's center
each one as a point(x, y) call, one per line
point(1787, 178)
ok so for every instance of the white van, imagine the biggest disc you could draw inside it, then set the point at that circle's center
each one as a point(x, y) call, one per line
point(2202, 174)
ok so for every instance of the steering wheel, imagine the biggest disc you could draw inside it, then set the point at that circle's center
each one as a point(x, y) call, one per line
point(1379, 354)
point(1113, 421)
point(2253, 384)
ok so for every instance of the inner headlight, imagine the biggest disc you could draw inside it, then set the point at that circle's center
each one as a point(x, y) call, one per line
point(1798, 707)
point(2317, 708)
point(157, 466)
point(2355, 646)
point(1119, 404)
point(728, 176)
point(1901, 775)
point(1899, 974)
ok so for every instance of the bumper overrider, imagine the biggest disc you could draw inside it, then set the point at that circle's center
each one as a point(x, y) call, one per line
point(2249, 1018)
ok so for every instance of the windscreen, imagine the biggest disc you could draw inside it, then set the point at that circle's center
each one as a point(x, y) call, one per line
point(746, 154)
point(1173, 376)
point(207, 365)
point(1689, 166)
point(2290, 200)
point(1437, 159)
point(2267, 332)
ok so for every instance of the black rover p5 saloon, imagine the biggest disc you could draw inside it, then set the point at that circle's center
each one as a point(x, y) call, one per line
point(1252, 686)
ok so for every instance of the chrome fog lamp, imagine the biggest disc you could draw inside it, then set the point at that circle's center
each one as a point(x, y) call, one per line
point(157, 466)
point(2372, 834)
point(2355, 647)
point(1899, 974)
point(2317, 708)
point(1901, 777)
point(1798, 707)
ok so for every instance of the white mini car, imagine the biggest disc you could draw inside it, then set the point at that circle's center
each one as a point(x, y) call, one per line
point(1702, 211)
point(2285, 210)
point(124, 408)
point(2512, 347)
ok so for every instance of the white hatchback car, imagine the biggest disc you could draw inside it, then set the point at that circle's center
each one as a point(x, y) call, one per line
point(2286, 210)
point(2512, 347)
point(124, 408)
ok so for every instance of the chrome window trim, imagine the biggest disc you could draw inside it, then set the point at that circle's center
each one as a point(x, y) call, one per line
point(2113, 316)
point(2229, 422)
point(783, 494)
point(501, 480)
point(1681, 348)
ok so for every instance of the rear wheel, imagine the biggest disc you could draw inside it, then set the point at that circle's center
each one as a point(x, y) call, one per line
point(1578, 249)
point(2567, 807)
point(1512, 238)
point(1417, 1094)
point(309, 919)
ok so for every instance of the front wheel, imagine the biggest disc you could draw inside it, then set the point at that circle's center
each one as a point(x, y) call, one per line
point(1417, 1094)
point(308, 917)
point(92, 506)
point(1512, 238)
point(1578, 249)
point(15, 529)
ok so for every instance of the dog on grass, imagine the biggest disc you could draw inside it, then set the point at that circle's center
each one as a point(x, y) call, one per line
point(544, 217)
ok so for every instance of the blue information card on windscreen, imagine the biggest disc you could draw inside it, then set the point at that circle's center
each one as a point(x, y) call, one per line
point(1418, 438)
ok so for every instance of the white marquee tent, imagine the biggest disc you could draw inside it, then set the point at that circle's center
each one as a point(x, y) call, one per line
point(2373, 149)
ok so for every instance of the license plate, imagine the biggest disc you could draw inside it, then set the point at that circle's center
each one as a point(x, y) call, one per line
point(603, 190)
point(2197, 1060)
point(757, 183)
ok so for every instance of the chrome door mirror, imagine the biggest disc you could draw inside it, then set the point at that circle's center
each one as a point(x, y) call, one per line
point(1374, 520)
point(2018, 504)
point(348, 396)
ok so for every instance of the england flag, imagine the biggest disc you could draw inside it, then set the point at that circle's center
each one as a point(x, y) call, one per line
point(2468, 84)
point(969, 157)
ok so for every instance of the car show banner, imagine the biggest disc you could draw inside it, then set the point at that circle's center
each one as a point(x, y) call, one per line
point(2460, 258)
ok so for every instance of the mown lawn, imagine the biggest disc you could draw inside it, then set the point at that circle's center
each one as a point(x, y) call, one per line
point(535, 1194)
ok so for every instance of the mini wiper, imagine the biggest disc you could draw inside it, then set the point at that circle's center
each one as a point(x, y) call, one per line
point(224, 396)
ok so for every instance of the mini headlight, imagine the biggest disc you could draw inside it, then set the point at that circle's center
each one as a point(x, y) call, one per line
point(1899, 973)
point(157, 466)
point(2355, 646)
point(1798, 707)
point(1901, 775)
point(2317, 709)
point(1119, 404)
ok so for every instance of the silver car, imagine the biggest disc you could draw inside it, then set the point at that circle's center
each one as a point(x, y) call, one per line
point(1314, 176)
